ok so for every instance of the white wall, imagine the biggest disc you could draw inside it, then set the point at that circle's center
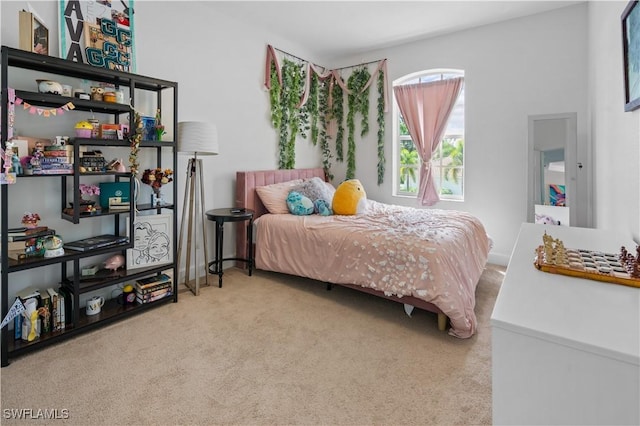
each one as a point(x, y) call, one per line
point(527, 66)
point(531, 65)
point(615, 133)
point(218, 63)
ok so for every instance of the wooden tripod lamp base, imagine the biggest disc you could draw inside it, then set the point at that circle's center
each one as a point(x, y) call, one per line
point(196, 138)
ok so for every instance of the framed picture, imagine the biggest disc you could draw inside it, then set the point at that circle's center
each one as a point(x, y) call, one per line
point(557, 195)
point(631, 53)
point(34, 35)
point(152, 242)
point(21, 147)
point(88, 27)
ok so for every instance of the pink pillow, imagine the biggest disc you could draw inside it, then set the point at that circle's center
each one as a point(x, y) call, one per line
point(274, 196)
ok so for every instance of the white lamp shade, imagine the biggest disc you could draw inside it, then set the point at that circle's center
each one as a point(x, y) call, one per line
point(197, 137)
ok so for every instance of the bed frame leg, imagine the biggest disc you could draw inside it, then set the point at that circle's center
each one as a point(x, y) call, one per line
point(442, 322)
point(329, 286)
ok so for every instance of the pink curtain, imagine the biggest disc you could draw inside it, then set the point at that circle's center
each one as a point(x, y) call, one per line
point(425, 108)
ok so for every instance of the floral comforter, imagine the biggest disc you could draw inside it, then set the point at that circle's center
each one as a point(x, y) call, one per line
point(435, 255)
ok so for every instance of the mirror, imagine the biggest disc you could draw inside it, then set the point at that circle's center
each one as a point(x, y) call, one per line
point(552, 160)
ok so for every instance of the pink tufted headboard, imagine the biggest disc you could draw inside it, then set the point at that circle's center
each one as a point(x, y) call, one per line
point(247, 197)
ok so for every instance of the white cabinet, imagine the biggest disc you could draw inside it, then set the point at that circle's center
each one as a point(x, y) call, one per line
point(565, 350)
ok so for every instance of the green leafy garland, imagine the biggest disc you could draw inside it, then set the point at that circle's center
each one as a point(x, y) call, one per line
point(337, 113)
point(381, 106)
point(316, 115)
point(312, 107)
point(284, 111)
point(358, 101)
point(274, 97)
point(323, 106)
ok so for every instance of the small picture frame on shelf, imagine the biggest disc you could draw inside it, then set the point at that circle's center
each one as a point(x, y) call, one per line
point(152, 241)
point(34, 35)
point(124, 131)
point(148, 128)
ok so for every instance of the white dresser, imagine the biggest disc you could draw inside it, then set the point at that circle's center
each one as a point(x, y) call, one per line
point(565, 350)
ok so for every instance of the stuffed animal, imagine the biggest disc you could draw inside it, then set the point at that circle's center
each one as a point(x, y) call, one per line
point(546, 220)
point(322, 207)
point(114, 262)
point(350, 198)
point(299, 205)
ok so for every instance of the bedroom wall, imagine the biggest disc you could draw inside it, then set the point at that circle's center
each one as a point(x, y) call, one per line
point(532, 65)
point(526, 66)
point(218, 63)
point(615, 133)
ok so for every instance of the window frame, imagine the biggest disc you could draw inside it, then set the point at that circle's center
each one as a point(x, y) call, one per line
point(398, 138)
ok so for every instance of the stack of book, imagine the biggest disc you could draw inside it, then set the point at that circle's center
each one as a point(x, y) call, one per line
point(27, 242)
point(153, 288)
point(116, 204)
point(57, 159)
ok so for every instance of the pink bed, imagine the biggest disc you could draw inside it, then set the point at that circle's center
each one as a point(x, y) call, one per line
point(424, 258)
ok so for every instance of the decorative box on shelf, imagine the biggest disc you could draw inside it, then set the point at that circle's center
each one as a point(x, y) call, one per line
point(93, 161)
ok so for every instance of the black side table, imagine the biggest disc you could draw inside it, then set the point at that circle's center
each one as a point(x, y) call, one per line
point(221, 216)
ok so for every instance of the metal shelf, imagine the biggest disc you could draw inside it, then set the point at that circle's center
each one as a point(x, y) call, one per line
point(14, 60)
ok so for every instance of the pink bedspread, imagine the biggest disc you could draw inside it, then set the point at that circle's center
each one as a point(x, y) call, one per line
point(435, 255)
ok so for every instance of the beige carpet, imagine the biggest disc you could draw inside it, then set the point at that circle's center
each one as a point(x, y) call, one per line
point(267, 349)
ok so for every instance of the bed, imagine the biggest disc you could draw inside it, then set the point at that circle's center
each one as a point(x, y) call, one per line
point(429, 259)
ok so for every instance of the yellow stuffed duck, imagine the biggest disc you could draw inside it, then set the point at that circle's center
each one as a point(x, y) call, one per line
point(349, 198)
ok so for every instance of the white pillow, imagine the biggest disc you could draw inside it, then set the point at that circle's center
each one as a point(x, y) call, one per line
point(274, 196)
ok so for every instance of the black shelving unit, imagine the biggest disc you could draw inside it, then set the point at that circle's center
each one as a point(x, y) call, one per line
point(14, 60)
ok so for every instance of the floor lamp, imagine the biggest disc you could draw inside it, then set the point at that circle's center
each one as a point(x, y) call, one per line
point(195, 138)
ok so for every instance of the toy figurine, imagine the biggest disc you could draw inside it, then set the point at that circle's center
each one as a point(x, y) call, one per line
point(15, 164)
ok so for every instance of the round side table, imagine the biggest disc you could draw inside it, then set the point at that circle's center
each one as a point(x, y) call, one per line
point(220, 217)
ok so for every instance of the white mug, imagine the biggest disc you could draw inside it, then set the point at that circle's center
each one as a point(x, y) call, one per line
point(94, 304)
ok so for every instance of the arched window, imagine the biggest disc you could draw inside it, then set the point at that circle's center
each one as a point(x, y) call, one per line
point(448, 159)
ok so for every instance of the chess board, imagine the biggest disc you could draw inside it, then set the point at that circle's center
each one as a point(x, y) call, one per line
point(622, 268)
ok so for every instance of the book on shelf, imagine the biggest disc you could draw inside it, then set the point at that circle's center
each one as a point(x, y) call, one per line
point(54, 160)
point(53, 171)
point(45, 233)
point(154, 294)
point(17, 326)
point(119, 206)
point(93, 243)
point(55, 309)
point(151, 288)
point(154, 298)
point(151, 281)
point(22, 232)
point(64, 299)
point(45, 311)
point(18, 245)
